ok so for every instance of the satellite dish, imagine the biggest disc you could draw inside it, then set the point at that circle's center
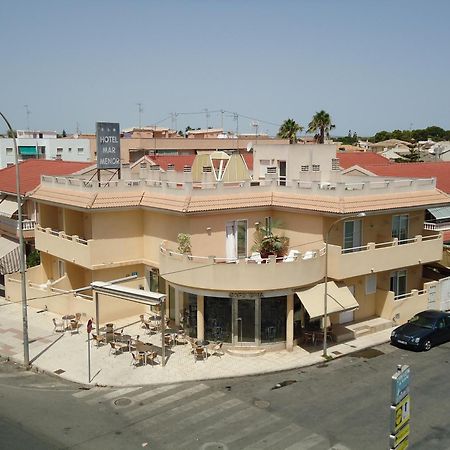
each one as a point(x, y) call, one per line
point(250, 146)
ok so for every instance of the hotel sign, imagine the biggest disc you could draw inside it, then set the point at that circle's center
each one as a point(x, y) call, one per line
point(108, 145)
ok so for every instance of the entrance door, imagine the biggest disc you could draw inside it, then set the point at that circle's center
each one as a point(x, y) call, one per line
point(282, 171)
point(246, 320)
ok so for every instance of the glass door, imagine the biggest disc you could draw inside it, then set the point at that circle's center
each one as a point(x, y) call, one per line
point(400, 228)
point(245, 325)
point(282, 171)
point(236, 239)
point(352, 236)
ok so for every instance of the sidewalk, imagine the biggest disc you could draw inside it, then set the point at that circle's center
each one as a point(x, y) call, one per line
point(66, 354)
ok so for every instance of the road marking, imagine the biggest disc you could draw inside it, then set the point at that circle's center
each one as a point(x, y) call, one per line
point(113, 394)
point(270, 440)
point(307, 443)
point(136, 412)
point(86, 392)
point(153, 392)
point(339, 447)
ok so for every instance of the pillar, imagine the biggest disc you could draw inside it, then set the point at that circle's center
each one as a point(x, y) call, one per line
point(178, 305)
point(290, 323)
point(200, 317)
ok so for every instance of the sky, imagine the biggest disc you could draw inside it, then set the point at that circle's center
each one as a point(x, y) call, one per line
point(371, 64)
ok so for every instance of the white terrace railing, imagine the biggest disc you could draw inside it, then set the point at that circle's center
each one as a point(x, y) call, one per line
point(14, 223)
point(180, 185)
point(392, 243)
point(436, 226)
point(309, 254)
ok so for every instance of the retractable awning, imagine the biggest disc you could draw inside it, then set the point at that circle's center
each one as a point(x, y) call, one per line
point(8, 207)
point(440, 213)
point(9, 256)
point(339, 299)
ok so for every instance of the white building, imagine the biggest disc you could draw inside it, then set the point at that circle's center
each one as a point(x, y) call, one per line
point(44, 145)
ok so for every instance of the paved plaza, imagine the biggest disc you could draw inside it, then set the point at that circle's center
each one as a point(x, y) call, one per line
point(66, 354)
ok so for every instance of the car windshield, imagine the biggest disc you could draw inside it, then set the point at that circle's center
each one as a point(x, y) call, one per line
point(422, 321)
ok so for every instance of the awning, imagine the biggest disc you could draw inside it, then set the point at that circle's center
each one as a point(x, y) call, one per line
point(442, 212)
point(28, 150)
point(8, 207)
point(339, 299)
point(9, 256)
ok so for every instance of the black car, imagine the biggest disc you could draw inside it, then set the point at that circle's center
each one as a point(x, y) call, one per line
point(423, 331)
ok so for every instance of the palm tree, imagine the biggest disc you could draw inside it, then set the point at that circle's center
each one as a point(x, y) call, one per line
point(321, 125)
point(289, 129)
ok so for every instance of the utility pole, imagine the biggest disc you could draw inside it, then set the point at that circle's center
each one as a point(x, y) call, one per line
point(140, 111)
point(26, 350)
point(27, 112)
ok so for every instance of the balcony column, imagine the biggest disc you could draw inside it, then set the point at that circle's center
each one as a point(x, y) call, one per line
point(200, 317)
point(290, 323)
point(178, 305)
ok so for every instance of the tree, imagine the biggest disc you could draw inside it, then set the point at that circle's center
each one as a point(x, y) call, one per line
point(34, 258)
point(12, 134)
point(412, 156)
point(321, 125)
point(289, 129)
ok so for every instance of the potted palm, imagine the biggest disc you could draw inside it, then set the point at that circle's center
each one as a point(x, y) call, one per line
point(184, 243)
point(268, 243)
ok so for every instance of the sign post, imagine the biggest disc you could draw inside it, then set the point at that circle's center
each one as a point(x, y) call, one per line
point(400, 409)
point(108, 145)
point(89, 330)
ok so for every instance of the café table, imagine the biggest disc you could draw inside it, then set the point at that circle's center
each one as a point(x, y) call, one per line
point(123, 339)
point(142, 347)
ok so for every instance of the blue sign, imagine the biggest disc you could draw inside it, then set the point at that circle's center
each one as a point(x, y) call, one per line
point(400, 384)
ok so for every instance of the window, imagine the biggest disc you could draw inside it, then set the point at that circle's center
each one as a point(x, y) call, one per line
point(154, 280)
point(398, 283)
point(61, 268)
point(80, 149)
point(335, 164)
point(236, 239)
point(59, 151)
point(316, 167)
point(273, 319)
point(304, 168)
point(8, 150)
point(400, 228)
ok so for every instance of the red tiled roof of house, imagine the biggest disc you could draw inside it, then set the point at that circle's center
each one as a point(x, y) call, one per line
point(439, 170)
point(30, 172)
point(347, 160)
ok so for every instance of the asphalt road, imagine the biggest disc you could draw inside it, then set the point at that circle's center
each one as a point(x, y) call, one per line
point(341, 405)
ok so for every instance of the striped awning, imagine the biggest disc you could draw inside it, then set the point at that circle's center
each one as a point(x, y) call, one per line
point(9, 256)
point(8, 207)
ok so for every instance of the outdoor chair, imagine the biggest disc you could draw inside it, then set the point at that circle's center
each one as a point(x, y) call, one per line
point(115, 348)
point(137, 359)
point(98, 340)
point(292, 256)
point(217, 349)
point(74, 326)
point(78, 317)
point(168, 341)
point(200, 353)
point(58, 326)
point(255, 258)
point(151, 358)
point(149, 328)
point(193, 346)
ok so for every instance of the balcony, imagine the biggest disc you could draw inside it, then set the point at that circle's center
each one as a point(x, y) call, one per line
point(373, 258)
point(241, 275)
point(11, 227)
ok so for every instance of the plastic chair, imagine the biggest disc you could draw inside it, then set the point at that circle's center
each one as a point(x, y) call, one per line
point(217, 349)
point(58, 326)
point(200, 353)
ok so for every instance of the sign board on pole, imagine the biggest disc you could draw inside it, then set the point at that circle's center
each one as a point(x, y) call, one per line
point(400, 384)
point(89, 326)
point(400, 436)
point(400, 414)
point(108, 145)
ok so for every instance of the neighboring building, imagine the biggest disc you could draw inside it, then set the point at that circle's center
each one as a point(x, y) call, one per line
point(30, 172)
point(390, 144)
point(102, 230)
point(46, 146)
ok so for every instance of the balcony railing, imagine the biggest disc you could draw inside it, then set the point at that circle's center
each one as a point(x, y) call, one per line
point(27, 225)
point(246, 274)
point(436, 226)
point(378, 257)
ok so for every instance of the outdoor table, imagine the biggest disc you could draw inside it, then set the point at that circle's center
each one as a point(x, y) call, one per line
point(123, 338)
point(142, 347)
point(67, 318)
point(202, 343)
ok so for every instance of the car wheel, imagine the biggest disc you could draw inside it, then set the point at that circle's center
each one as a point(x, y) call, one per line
point(426, 345)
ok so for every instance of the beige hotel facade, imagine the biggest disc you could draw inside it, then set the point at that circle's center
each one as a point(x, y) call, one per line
point(89, 230)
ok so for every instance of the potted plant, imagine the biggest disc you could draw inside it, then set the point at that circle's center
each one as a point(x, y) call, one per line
point(184, 243)
point(268, 243)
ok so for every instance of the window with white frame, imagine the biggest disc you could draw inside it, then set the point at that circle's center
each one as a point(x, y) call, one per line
point(8, 150)
point(335, 164)
point(263, 163)
point(371, 283)
point(59, 150)
point(398, 283)
point(316, 167)
point(80, 149)
point(304, 168)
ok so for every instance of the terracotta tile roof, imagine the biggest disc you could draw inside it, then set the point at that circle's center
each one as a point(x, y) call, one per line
point(167, 202)
point(179, 161)
point(65, 196)
point(347, 160)
point(117, 199)
point(30, 172)
point(439, 170)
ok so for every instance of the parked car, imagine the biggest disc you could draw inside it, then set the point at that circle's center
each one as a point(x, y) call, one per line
point(423, 331)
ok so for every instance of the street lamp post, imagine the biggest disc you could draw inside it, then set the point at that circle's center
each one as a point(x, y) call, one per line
point(325, 295)
point(26, 353)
